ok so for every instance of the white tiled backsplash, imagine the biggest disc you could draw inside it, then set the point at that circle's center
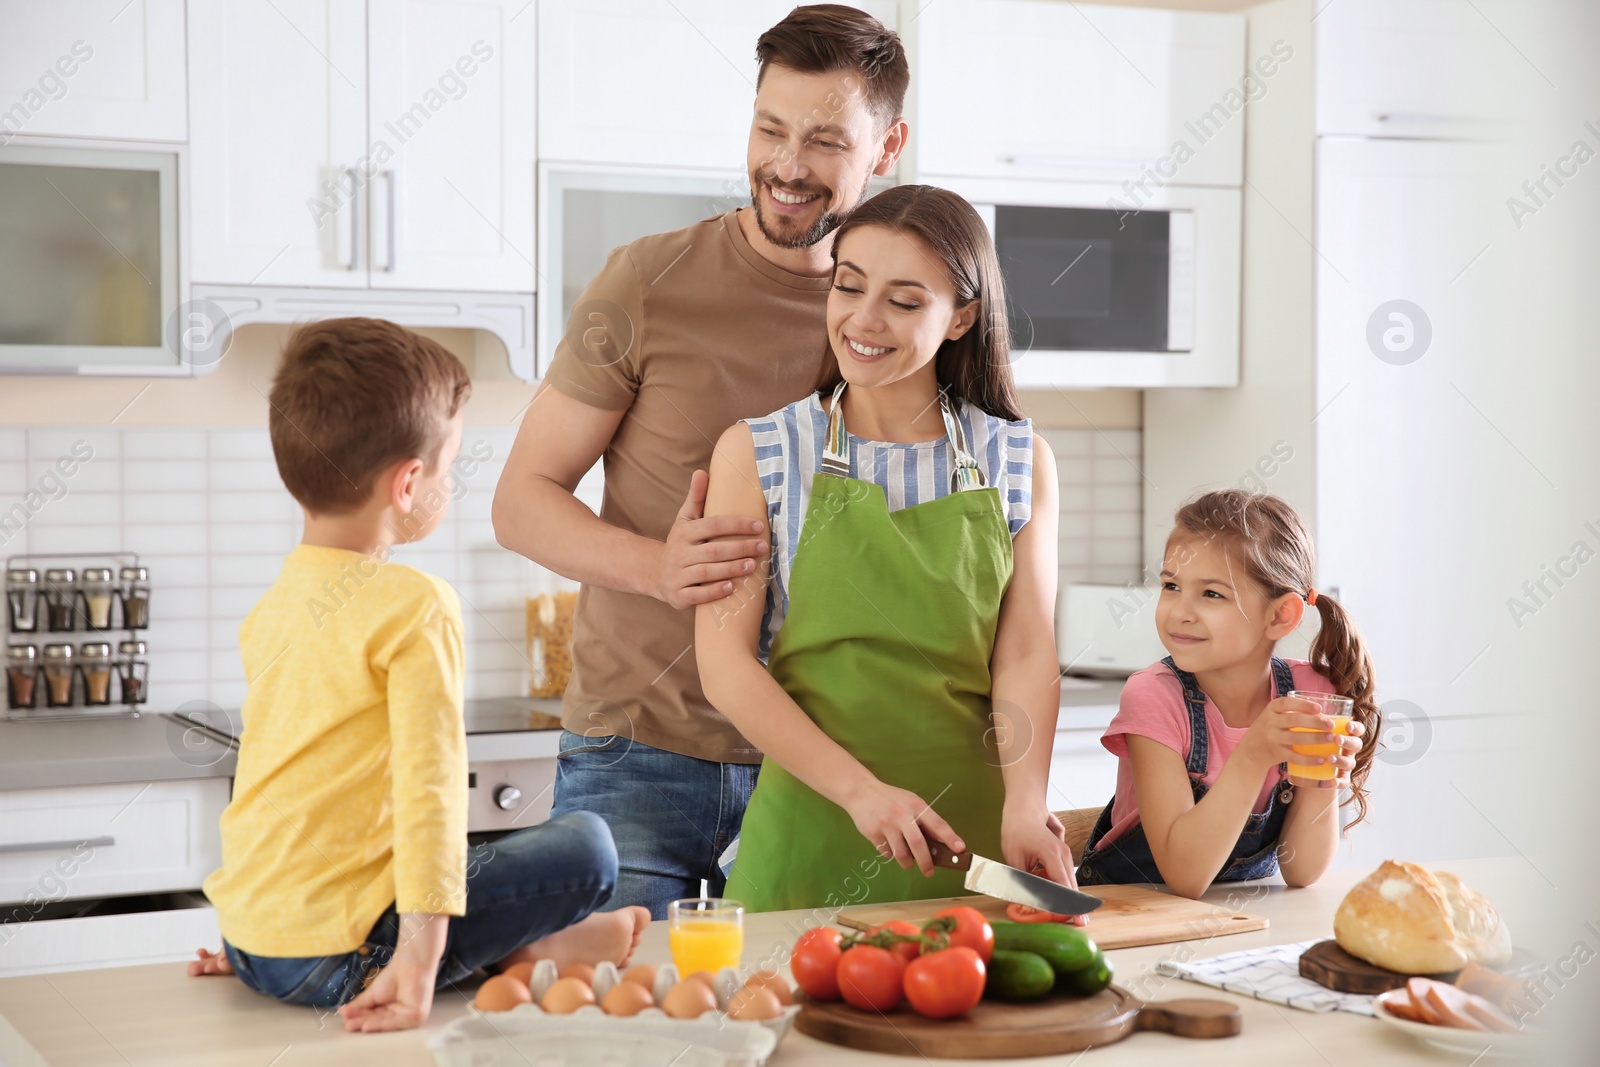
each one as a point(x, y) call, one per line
point(1101, 473)
point(206, 512)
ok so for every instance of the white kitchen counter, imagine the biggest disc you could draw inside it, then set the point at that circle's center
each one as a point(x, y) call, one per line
point(157, 1015)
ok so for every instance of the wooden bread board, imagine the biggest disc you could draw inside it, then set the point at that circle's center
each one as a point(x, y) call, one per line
point(995, 1029)
point(1132, 915)
point(1326, 964)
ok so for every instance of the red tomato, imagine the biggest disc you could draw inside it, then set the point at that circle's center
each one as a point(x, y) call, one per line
point(945, 984)
point(971, 930)
point(906, 950)
point(1022, 913)
point(815, 963)
point(870, 978)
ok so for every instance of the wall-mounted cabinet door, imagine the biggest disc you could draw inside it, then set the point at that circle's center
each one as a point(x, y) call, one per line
point(279, 147)
point(654, 82)
point(452, 113)
point(1431, 69)
point(92, 68)
point(1031, 89)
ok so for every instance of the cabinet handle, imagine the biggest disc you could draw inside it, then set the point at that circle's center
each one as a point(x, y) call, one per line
point(355, 218)
point(1424, 120)
point(57, 846)
point(1062, 162)
point(388, 177)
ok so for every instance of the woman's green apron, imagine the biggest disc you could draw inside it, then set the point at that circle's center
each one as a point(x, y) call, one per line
point(886, 645)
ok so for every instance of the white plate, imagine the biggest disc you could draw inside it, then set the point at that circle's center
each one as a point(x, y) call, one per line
point(1472, 1042)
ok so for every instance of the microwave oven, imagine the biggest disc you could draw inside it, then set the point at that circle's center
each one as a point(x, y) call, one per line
point(1112, 286)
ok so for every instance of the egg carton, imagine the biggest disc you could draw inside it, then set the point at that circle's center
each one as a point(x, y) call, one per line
point(528, 1036)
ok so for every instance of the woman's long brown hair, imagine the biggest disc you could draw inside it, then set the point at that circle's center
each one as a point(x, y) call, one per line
point(977, 365)
point(1279, 557)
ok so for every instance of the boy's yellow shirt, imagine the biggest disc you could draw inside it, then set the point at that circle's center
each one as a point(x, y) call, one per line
point(351, 790)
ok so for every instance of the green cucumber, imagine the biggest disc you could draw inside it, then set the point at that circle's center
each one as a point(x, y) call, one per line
point(1066, 948)
point(1088, 981)
point(1018, 975)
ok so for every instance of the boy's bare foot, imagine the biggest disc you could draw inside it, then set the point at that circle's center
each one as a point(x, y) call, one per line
point(602, 935)
point(209, 963)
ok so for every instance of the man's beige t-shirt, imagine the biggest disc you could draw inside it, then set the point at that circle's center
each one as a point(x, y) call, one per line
point(689, 331)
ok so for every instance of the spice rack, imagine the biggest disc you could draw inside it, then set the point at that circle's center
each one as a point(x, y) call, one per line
point(74, 636)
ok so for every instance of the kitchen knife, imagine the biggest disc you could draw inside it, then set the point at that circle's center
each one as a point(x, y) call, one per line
point(1011, 885)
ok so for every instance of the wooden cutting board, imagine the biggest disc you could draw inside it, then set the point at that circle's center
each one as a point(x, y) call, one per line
point(1132, 915)
point(1326, 964)
point(995, 1030)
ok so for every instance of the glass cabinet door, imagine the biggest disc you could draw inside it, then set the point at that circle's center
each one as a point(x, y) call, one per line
point(88, 258)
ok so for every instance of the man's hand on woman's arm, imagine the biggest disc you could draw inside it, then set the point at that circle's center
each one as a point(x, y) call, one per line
point(537, 515)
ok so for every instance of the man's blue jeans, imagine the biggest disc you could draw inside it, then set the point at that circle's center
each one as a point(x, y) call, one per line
point(671, 815)
point(520, 888)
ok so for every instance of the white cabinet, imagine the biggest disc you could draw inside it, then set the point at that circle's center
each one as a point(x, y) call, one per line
point(340, 143)
point(452, 92)
point(280, 135)
point(1082, 773)
point(109, 840)
point(1417, 68)
point(653, 82)
point(1037, 89)
point(92, 68)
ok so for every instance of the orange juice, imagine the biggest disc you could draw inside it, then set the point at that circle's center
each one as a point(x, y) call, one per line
point(705, 944)
point(1341, 725)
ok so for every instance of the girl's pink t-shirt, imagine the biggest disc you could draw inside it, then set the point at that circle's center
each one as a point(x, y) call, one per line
point(1152, 706)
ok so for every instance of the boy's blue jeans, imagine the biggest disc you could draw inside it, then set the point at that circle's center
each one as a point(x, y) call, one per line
point(520, 888)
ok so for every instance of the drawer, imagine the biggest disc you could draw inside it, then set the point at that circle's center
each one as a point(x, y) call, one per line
point(109, 840)
point(1082, 773)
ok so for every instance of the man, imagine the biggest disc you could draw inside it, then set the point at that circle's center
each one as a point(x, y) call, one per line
point(679, 336)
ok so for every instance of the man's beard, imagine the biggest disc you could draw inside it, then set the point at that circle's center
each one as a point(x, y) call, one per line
point(826, 223)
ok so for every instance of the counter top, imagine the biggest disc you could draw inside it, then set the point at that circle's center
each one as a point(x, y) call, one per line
point(155, 747)
point(152, 748)
point(156, 1014)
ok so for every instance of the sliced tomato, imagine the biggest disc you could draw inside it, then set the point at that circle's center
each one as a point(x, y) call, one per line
point(1022, 913)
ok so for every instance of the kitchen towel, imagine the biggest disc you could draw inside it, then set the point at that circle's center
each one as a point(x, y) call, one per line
point(1271, 974)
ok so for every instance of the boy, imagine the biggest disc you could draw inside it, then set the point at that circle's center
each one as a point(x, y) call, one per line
point(345, 858)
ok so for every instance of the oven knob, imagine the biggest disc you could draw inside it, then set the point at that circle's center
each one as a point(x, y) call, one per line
point(507, 797)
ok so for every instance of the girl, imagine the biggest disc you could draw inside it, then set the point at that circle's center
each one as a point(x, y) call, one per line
point(1202, 737)
point(908, 620)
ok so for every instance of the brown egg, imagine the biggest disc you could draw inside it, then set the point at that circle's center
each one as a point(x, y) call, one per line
point(642, 973)
point(501, 993)
point(580, 971)
point(773, 981)
point(566, 996)
point(627, 998)
point(754, 1003)
point(706, 978)
point(689, 1000)
point(523, 972)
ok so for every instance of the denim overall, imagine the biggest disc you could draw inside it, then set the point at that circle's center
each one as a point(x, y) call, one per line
point(1254, 855)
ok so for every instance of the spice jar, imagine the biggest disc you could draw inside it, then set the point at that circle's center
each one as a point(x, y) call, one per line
point(97, 593)
point(58, 675)
point(22, 599)
point(94, 663)
point(135, 598)
point(22, 676)
point(133, 671)
point(60, 595)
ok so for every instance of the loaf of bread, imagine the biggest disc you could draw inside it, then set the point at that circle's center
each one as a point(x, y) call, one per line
point(1412, 920)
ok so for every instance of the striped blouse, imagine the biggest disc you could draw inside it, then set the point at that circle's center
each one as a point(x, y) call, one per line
point(789, 445)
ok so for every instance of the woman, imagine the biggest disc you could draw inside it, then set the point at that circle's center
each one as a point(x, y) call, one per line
point(907, 616)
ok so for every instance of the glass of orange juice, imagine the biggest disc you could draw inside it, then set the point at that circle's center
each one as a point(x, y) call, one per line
point(1338, 709)
point(705, 934)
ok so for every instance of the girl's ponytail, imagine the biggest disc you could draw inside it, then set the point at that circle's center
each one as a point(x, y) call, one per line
point(1338, 654)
